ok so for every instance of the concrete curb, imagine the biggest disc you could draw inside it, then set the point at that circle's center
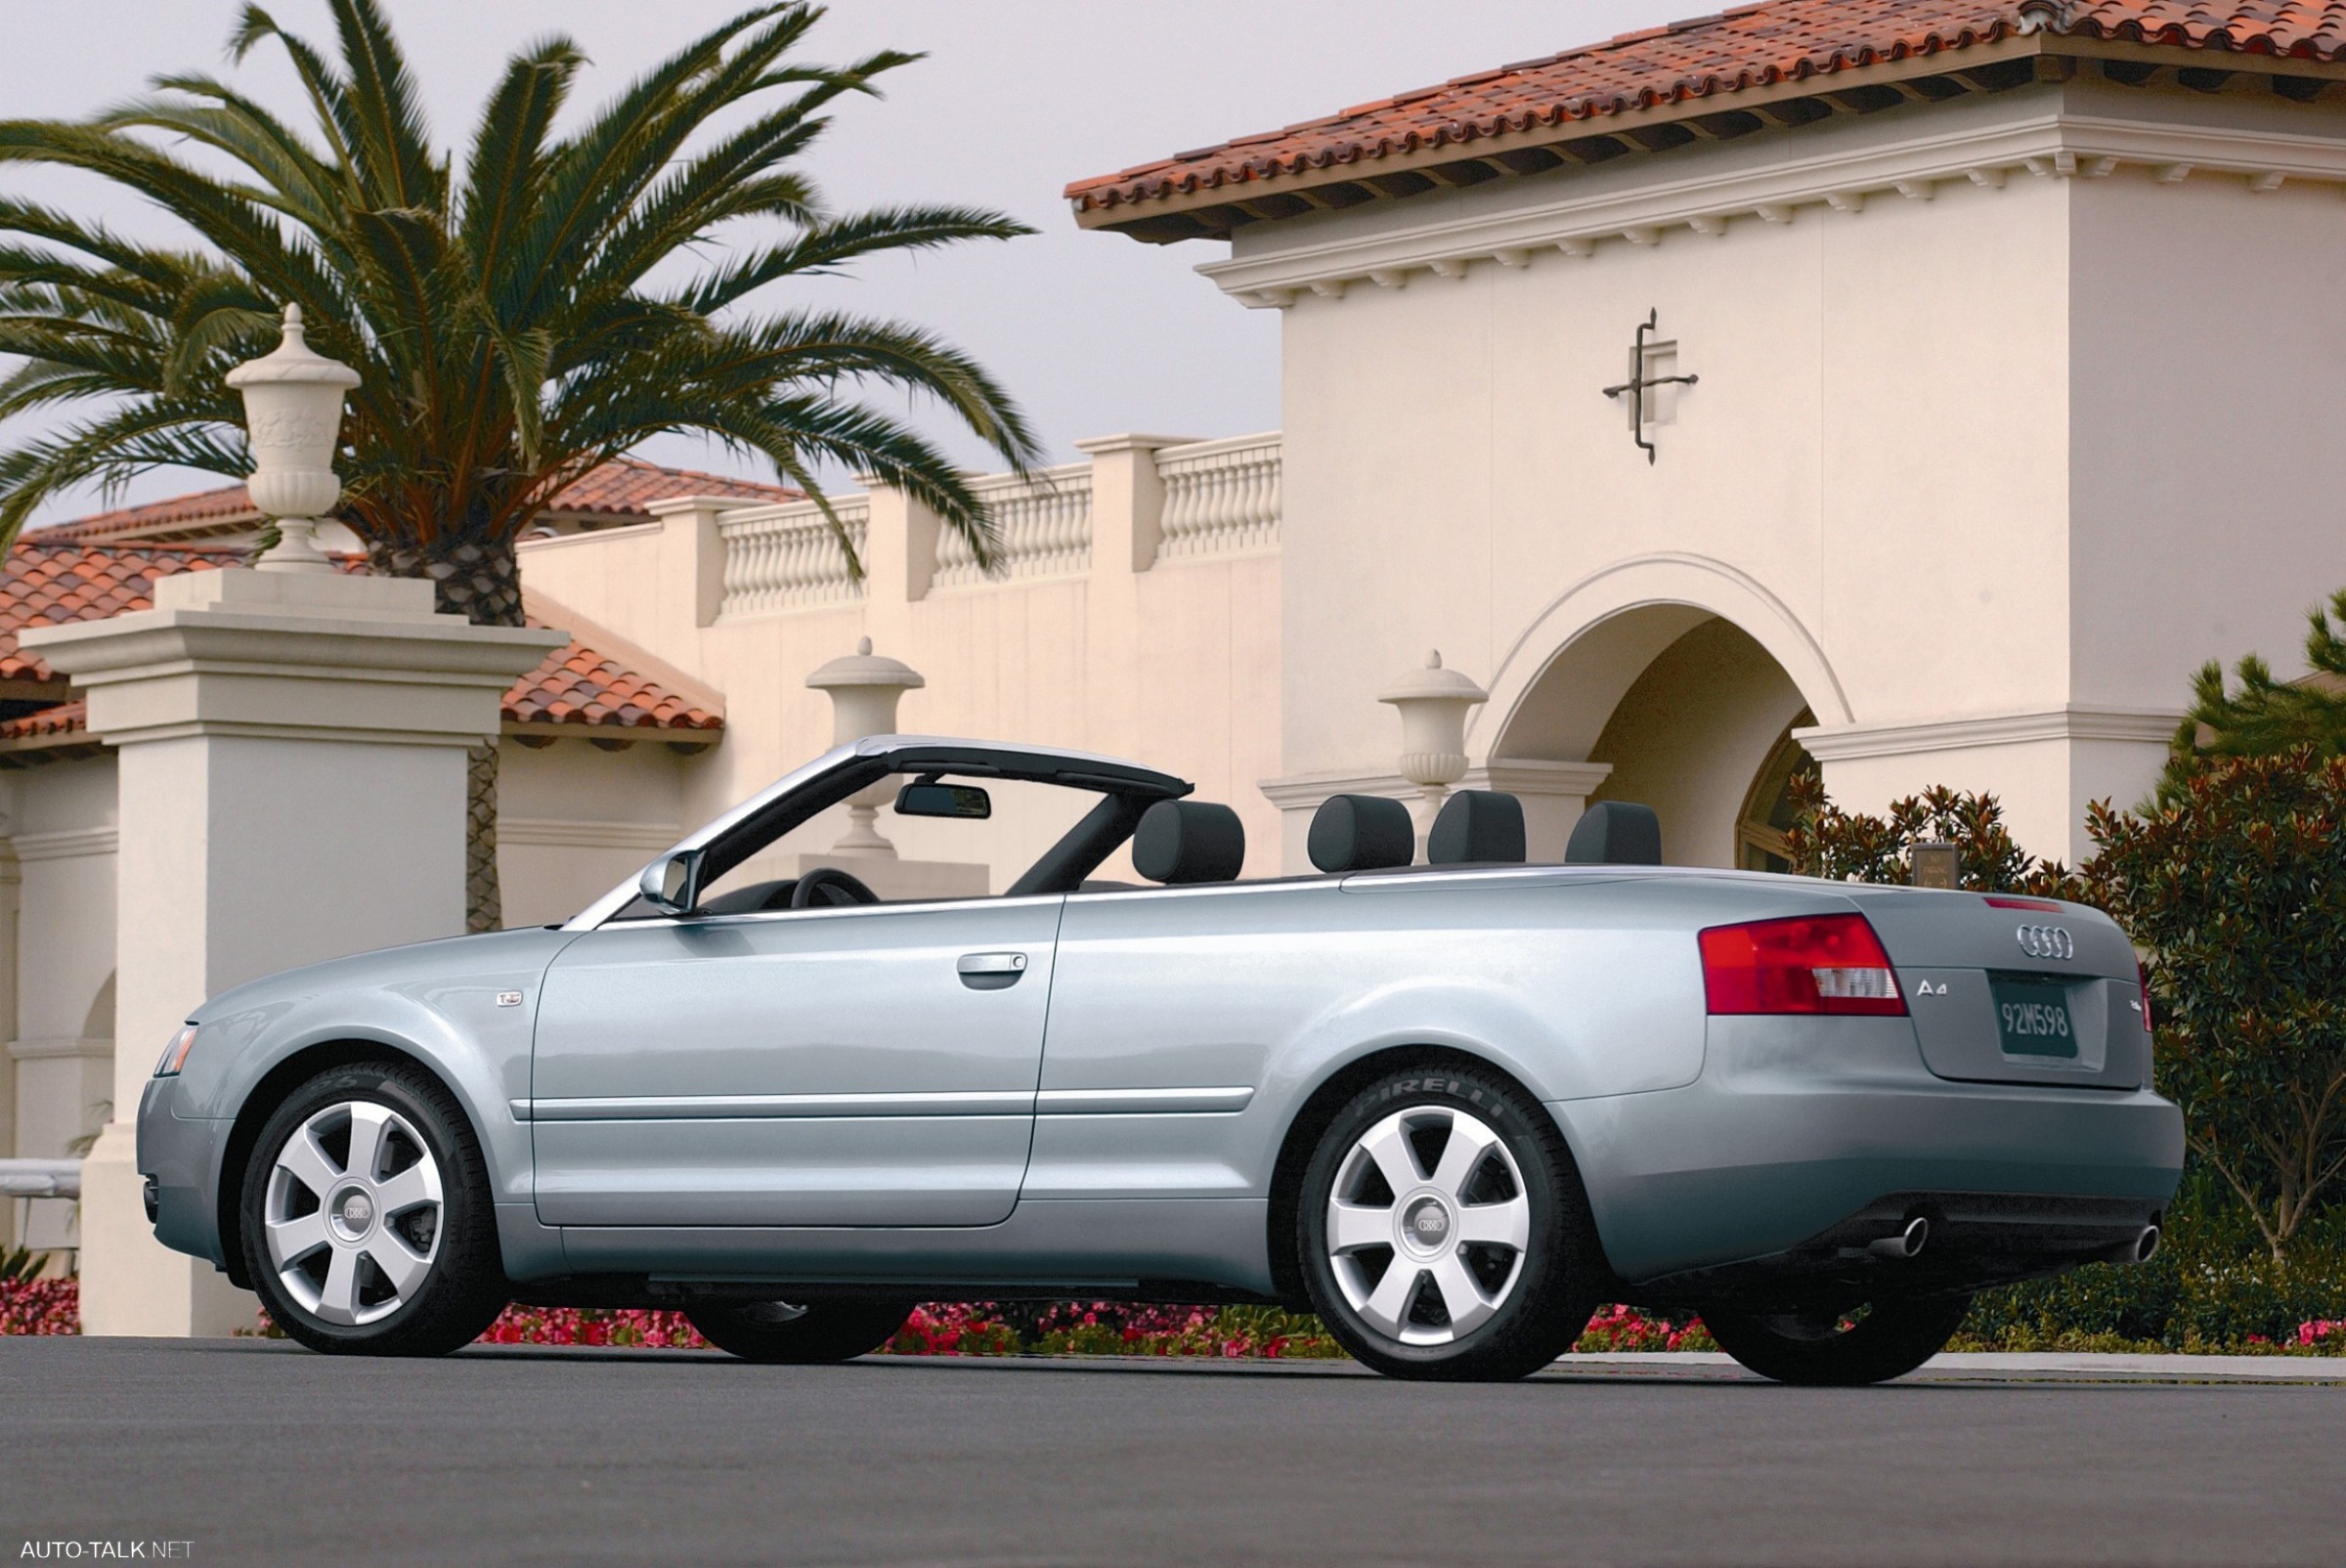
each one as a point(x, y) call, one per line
point(1996, 1368)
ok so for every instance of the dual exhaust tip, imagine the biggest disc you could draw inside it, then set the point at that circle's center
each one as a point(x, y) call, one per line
point(1908, 1242)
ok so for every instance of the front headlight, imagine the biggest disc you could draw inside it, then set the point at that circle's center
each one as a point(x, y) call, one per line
point(175, 1055)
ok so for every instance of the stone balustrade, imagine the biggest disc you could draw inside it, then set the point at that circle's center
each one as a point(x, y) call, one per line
point(1043, 523)
point(1210, 498)
point(786, 557)
point(1220, 495)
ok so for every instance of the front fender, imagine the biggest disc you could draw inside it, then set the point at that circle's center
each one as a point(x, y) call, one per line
point(438, 1003)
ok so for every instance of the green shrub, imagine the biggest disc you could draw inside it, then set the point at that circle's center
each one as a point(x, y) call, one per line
point(2233, 883)
point(2213, 1287)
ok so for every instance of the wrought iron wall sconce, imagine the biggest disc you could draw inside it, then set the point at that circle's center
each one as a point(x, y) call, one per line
point(1638, 381)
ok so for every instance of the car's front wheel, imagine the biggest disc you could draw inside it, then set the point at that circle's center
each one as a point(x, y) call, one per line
point(1443, 1229)
point(820, 1330)
point(366, 1218)
point(1828, 1350)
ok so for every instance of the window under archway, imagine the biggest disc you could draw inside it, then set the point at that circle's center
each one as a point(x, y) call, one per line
point(1767, 810)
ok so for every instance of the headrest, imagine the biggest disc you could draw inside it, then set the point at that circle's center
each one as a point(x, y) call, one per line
point(1476, 827)
point(1189, 840)
point(1361, 833)
point(1616, 833)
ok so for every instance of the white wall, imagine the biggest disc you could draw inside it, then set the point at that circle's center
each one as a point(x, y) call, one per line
point(2209, 390)
point(1175, 666)
point(573, 819)
point(1870, 441)
point(62, 1047)
point(1992, 444)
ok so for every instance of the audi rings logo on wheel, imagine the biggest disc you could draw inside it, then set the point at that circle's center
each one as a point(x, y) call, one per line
point(2047, 942)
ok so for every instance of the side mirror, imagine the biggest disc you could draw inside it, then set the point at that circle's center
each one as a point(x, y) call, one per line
point(672, 882)
point(965, 800)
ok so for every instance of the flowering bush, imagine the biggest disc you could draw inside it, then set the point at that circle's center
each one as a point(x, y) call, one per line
point(2021, 1317)
point(1059, 1328)
point(518, 1324)
point(953, 1329)
point(31, 1306)
point(1111, 1328)
point(1626, 1329)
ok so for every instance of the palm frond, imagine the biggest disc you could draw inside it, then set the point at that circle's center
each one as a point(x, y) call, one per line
point(112, 450)
point(828, 246)
point(506, 167)
point(511, 315)
point(392, 151)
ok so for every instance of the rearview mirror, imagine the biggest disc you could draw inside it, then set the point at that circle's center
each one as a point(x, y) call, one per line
point(966, 801)
point(672, 882)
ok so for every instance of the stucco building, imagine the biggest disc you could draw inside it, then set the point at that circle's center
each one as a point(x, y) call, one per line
point(2010, 334)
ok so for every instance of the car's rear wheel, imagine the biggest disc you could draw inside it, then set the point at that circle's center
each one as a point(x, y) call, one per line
point(367, 1219)
point(1443, 1230)
point(1827, 1350)
point(784, 1332)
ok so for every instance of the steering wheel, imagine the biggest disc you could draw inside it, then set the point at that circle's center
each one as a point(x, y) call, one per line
point(829, 887)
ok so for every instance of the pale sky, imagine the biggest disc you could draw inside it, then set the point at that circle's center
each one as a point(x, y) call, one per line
point(1092, 333)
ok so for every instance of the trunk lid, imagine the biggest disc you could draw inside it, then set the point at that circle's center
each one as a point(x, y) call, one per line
point(2007, 989)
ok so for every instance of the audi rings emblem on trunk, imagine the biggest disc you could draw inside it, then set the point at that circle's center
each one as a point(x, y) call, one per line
point(2047, 942)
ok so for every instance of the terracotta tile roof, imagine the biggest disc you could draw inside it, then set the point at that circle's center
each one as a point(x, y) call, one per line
point(1748, 47)
point(579, 685)
point(622, 488)
point(2302, 30)
point(627, 485)
point(54, 585)
point(227, 504)
point(45, 582)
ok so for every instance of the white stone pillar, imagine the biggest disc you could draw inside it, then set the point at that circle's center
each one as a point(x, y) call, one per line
point(292, 788)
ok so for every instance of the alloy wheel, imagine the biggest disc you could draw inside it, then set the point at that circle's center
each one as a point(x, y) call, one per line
point(354, 1212)
point(1427, 1223)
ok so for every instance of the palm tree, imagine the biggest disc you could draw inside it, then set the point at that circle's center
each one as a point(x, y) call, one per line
point(519, 319)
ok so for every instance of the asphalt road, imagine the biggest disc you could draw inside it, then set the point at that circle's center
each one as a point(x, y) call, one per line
point(260, 1452)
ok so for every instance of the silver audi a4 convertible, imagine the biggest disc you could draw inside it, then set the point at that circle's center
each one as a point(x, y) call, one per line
point(1451, 1107)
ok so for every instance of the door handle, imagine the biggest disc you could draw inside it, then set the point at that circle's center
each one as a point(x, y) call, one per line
point(990, 972)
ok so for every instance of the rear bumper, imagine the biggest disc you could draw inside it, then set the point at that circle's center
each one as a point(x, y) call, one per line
point(1797, 1126)
point(1973, 1241)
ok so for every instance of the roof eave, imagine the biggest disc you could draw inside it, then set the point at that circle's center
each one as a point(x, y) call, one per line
point(1214, 212)
point(683, 739)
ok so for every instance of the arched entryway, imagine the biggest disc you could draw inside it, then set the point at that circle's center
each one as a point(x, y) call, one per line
point(1685, 682)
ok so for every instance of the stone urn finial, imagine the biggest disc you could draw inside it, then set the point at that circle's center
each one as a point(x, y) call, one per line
point(293, 421)
point(864, 688)
point(1433, 703)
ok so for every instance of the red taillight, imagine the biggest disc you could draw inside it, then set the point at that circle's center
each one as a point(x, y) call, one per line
point(1809, 964)
point(2142, 979)
point(2007, 902)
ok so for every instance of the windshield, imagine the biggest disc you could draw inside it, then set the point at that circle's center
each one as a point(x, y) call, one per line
point(902, 858)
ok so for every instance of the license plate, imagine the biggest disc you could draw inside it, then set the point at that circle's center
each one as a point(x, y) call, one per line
point(2033, 1015)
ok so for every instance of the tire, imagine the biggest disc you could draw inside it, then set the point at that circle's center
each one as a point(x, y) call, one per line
point(1889, 1341)
point(779, 1333)
point(1494, 1232)
point(368, 1223)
